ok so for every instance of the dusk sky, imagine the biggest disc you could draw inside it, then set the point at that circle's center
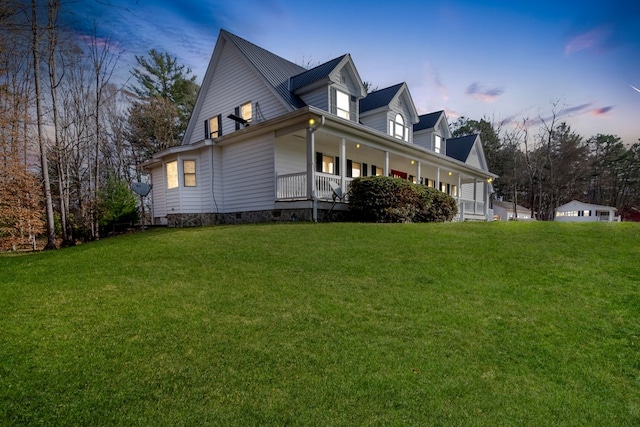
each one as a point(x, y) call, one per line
point(503, 60)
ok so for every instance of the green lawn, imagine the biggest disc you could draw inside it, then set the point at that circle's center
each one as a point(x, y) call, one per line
point(327, 324)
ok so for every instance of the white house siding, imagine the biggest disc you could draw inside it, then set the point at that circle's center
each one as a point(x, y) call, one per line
point(424, 139)
point(318, 98)
point(378, 121)
point(248, 175)
point(233, 84)
point(290, 155)
point(196, 199)
point(157, 192)
point(474, 159)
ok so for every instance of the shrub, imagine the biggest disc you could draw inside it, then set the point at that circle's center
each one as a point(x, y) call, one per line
point(383, 199)
point(436, 205)
point(386, 199)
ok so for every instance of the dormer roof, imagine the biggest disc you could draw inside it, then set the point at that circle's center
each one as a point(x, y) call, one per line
point(428, 121)
point(327, 73)
point(384, 97)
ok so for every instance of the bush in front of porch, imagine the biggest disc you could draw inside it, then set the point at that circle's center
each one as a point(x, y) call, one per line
point(387, 199)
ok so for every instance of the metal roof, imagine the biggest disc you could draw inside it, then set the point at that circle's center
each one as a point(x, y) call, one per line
point(459, 148)
point(275, 69)
point(313, 75)
point(428, 121)
point(379, 98)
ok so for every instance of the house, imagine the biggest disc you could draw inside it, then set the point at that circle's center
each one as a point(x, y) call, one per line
point(505, 211)
point(268, 138)
point(576, 211)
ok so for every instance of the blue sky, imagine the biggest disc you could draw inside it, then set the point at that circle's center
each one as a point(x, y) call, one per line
point(503, 60)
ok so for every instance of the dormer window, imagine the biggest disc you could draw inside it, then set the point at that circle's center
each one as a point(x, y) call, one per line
point(342, 105)
point(437, 146)
point(398, 129)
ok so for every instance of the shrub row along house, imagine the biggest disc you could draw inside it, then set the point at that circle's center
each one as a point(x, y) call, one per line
point(267, 138)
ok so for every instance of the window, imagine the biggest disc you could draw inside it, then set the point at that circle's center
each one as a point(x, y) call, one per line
point(246, 111)
point(212, 128)
point(327, 164)
point(244, 114)
point(454, 190)
point(438, 144)
point(172, 174)
point(342, 105)
point(431, 183)
point(356, 170)
point(376, 171)
point(398, 129)
point(189, 171)
point(443, 187)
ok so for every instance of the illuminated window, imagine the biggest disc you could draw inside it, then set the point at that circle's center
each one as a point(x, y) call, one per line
point(376, 171)
point(327, 164)
point(342, 105)
point(356, 169)
point(438, 144)
point(189, 171)
point(172, 174)
point(212, 128)
point(246, 111)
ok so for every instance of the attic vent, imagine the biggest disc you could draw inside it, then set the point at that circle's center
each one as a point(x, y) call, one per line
point(343, 80)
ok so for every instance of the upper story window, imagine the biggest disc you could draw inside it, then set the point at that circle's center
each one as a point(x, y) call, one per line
point(246, 111)
point(437, 146)
point(213, 128)
point(243, 115)
point(172, 174)
point(189, 171)
point(398, 129)
point(342, 105)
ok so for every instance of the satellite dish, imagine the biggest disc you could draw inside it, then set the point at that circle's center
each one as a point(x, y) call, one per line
point(140, 188)
point(337, 190)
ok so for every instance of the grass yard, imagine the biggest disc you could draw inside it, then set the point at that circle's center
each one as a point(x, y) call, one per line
point(327, 324)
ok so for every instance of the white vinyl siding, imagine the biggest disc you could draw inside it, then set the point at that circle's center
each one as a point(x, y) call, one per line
point(291, 155)
point(248, 175)
point(376, 121)
point(158, 192)
point(233, 83)
point(474, 159)
point(318, 98)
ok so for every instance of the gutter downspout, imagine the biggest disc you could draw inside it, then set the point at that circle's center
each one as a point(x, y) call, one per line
point(311, 165)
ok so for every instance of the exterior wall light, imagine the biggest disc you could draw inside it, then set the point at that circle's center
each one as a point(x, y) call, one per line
point(450, 173)
point(357, 145)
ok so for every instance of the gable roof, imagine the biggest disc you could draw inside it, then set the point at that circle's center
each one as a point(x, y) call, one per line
point(275, 69)
point(319, 72)
point(576, 204)
point(460, 148)
point(379, 98)
point(428, 121)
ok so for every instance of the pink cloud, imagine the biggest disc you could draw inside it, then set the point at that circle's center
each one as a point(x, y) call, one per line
point(593, 38)
point(483, 93)
point(603, 111)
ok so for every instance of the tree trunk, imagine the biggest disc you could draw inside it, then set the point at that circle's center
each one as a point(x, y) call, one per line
point(51, 235)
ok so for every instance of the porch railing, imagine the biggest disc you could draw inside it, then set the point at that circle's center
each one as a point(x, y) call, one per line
point(293, 186)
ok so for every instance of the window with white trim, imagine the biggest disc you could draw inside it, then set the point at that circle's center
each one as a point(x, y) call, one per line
point(397, 128)
point(437, 147)
point(342, 105)
point(327, 164)
point(356, 169)
point(171, 169)
point(189, 172)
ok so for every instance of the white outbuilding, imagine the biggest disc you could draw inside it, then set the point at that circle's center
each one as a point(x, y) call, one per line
point(576, 211)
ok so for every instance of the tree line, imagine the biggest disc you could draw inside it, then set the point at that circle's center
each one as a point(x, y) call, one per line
point(71, 134)
point(542, 164)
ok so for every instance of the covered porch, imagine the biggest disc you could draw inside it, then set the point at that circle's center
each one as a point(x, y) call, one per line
point(307, 162)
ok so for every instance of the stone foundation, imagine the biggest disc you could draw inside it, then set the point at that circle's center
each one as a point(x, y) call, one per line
point(251, 217)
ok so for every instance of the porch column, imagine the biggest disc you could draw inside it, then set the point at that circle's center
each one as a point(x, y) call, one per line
point(343, 165)
point(386, 164)
point(437, 183)
point(486, 199)
point(311, 172)
point(419, 172)
point(458, 198)
point(475, 195)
